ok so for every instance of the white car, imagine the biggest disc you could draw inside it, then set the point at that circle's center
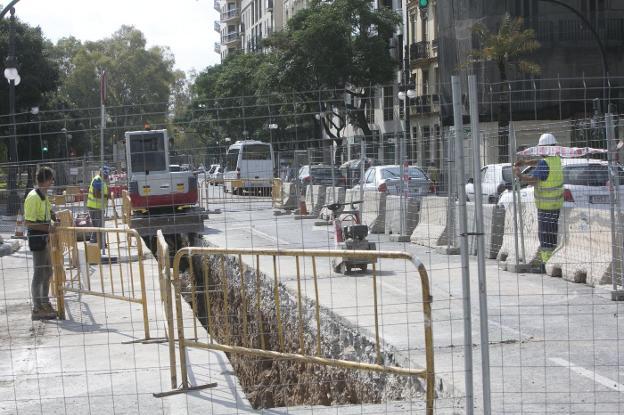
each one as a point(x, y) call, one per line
point(584, 185)
point(495, 178)
point(386, 179)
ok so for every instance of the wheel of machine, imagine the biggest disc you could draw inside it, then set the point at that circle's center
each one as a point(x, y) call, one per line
point(348, 268)
point(363, 267)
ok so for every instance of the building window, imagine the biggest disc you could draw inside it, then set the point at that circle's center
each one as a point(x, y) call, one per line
point(388, 100)
point(370, 110)
point(426, 139)
point(425, 82)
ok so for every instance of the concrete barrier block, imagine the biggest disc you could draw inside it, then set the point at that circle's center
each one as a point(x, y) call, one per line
point(315, 199)
point(433, 226)
point(289, 195)
point(410, 213)
point(493, 228)
point(584, 254)
point(513, 261)
point(373, 211)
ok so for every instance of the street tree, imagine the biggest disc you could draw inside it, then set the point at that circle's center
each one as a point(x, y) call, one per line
point(140, 83)
point(509, 49)
point(39, 77)
point(340, 47)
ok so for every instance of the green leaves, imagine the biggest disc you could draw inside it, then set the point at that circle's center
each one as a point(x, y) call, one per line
point(507, 46)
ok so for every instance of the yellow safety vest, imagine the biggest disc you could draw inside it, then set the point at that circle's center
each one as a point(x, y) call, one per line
point(549, 193)
point(96, 202)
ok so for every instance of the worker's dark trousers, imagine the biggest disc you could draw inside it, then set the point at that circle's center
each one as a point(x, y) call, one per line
point(547, 228)
point(41, 277)
point(96, 222)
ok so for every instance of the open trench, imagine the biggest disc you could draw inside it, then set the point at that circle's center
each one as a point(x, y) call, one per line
point(236, 318)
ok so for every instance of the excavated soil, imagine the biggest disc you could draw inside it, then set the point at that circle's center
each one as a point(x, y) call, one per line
point(272, 383)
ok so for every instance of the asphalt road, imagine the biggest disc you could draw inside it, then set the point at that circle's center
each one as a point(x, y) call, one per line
point(554, 345)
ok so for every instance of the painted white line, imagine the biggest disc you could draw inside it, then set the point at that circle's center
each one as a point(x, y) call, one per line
point(606, 382)
point(266, 236)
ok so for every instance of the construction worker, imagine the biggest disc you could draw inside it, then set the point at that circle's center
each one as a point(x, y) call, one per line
point(39, 219)
point(98, 193)
point(547, 178)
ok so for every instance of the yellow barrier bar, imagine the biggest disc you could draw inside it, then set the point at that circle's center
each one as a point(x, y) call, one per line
point(58, 266)
point(299, 307)
point(193, 295)
point(317, 308)
point(226, 306)
point(258, 312)
point(428, 374)
point(278, 314)
point(377, 343)
point(209, 326)
point(164, 271)
point(243, 299)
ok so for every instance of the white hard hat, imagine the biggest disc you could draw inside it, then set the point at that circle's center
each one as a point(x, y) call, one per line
point(547, 139)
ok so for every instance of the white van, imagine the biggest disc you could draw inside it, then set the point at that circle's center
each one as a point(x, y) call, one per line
point(248, 166)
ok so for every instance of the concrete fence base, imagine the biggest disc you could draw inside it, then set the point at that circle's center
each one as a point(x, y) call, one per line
point(315, 199)
point(340, 193)
point(410, 213)
point(493, 228)
point(373, 211)
point(433, 229)
point(585, 252)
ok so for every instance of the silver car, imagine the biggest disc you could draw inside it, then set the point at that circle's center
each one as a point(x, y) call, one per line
point(387, 179)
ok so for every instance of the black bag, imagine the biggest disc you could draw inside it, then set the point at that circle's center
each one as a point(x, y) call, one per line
point(37, 240)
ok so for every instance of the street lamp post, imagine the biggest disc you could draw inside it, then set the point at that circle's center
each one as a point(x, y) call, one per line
point(12, 76)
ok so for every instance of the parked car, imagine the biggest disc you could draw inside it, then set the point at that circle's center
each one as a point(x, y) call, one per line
point(321, 174)
point(174, 168)
point(585, 184)
point(387, 179)
point(495, 179)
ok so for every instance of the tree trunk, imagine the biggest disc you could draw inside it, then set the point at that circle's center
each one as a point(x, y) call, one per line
point(503, 116)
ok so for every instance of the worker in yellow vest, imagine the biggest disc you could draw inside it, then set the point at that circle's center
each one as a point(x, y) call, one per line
point(97, 200)
point(547, 178)
point(40, 223)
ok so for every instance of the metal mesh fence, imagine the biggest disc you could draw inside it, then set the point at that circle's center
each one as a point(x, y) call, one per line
point(552, 323)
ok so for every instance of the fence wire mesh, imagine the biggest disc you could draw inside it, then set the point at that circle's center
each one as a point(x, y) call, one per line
point(554, 326)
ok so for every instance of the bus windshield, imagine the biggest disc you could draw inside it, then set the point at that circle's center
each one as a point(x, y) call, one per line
point(231, 160)
point(257, 152)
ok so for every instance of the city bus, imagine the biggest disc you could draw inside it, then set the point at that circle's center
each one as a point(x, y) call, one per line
point(248, 167)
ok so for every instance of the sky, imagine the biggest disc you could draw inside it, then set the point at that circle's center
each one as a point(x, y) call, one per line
point(185, 26)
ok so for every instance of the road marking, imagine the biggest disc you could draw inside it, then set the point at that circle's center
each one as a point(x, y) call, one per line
point(266, 236)
point(609, 383)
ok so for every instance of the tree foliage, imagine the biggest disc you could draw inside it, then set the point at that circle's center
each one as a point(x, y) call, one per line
point(338, 47)
point(507, 47)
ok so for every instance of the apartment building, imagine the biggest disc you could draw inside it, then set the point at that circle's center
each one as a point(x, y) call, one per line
point(228, 26)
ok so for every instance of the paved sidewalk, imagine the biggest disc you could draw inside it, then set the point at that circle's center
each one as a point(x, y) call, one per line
point(80, 366)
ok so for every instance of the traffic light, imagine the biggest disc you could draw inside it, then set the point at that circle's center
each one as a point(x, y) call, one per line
point(423, 4)
point(44, 149)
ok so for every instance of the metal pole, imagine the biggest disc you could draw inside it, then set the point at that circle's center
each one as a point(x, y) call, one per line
point(13, 199)
point(102, 127)
point(517, 203)
point(483, 308)
point(362, 167)
point(614, 185)
point(463, 240)
point(406, 114)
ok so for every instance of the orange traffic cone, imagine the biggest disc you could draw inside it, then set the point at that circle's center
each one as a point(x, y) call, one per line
point(302, 207)
point(19, 226)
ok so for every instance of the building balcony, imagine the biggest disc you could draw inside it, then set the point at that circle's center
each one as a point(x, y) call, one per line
point(217, 47)
point(217, 6)
point(231, 38)
point(229, 15)
point(552, 31)
point(217, 26)
point(425, 105)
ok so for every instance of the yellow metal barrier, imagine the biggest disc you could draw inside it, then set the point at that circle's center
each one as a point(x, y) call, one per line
point(126, 207)
point(164, 280)
point(227, 342)
point(276, 193)
point(91, 273)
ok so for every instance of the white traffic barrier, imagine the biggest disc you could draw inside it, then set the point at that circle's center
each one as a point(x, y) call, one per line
point(315, 198)
point(493, 228)
point(432, 229)
point(340, 193)
point(373, 211)
point(289, 195)
point(410, 212)
point(507, 257)
point(584, 254)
